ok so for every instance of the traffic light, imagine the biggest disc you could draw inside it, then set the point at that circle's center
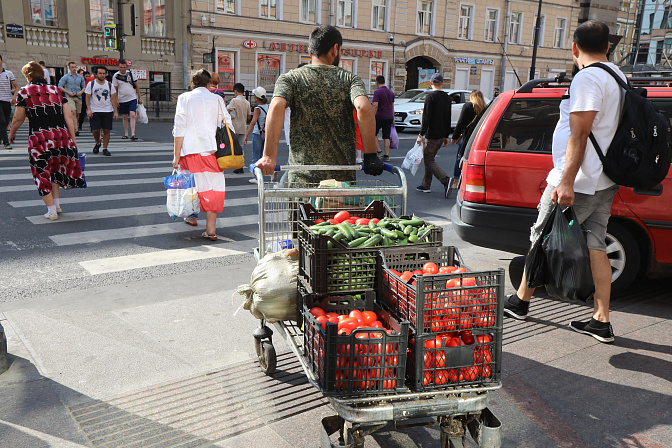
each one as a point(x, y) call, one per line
point(110, 37)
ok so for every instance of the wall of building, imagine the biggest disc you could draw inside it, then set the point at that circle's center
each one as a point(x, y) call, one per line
point(73, 40)
point(246, 39)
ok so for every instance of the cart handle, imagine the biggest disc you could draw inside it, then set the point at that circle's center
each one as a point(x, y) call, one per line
point(386, 166)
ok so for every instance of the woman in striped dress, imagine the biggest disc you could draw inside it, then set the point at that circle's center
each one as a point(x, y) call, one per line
point(52, 147)
point(197, 115)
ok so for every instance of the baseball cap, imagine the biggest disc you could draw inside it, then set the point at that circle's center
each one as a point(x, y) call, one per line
point(436, 78)
point(259, 92)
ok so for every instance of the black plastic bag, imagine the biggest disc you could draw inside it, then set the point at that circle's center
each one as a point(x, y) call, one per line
point(535, 263)
point(568, 274)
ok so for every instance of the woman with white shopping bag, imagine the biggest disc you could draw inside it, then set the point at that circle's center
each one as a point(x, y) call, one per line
point(197, 116)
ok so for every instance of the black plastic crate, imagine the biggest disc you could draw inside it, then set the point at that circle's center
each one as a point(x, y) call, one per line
point(376, 209)
point(331, 267)
point(452, 359)
point(365, 362)
point(442, 302)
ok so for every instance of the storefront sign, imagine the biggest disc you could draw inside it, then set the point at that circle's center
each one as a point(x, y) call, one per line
point(139, 74)
point(472, 61)
point(268, 70)
point(249, 44)
point(14, 30)
point(104, 61)
point(424, 77)
point(303, 48)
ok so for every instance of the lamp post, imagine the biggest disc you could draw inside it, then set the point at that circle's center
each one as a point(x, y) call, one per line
point(537, 25)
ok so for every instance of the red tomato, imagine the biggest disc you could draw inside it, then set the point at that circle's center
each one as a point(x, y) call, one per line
point(440, 359)
point(333, 221)
point(406, 275)
point(397, 273)
point(460, 270)
point(344, 330)
point(362, 222)
point(427, 378)
point(467, 337)
point(318, 220)
point(356, 314)
point(430, 343)
point(322, 320)
point(417, 272)
point(332, 314)
point(354, 217)
point(334, 320)
point(375, 220)
point(428, 360)
point(454, 342)
point(447, 269)
point(317, 311)
point(469, 281)
point(342, 216)
point(470, 373)
point(453, 283)
point(369, 316)
point(376, 324)
point(430, 268)
point(441, 377)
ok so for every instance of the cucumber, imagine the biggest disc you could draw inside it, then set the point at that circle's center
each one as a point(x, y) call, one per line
point(425, 232)
point(373, 240)
point(412, 238)
point(414, 221)
point(349, 229)
point(387, 241)
point(389, 233)
point(408, 229)
point(338, 236)
point(357, 242)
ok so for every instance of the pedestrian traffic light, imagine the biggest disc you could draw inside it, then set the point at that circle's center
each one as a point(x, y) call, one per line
point(110, 37)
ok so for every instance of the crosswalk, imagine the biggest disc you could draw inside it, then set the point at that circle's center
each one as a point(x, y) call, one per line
point(123, 204)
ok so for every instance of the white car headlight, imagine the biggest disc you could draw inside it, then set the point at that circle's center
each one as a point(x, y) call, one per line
point(416, 112)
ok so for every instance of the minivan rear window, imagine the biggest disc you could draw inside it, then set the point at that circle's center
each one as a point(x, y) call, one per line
point(527, 125)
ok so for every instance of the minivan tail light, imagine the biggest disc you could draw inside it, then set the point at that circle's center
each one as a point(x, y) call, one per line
point(474, 183)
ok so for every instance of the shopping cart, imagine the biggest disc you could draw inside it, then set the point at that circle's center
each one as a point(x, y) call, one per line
point(456, 409)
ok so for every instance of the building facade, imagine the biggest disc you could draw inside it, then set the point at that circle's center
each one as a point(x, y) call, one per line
point(59, 31)
point(472, 44)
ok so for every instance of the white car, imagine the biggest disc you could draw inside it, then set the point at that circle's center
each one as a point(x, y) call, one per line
point(407, 96)
point(408, 116)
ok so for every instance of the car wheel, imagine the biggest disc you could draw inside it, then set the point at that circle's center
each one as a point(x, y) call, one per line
point(624, 256)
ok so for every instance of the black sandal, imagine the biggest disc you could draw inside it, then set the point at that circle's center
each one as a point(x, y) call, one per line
point(125, 137)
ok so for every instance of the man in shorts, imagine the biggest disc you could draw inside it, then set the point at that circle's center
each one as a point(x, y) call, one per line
point(241, 113)
point(383, 106)
point(101, 104)
point(72, 85)
point(9, 89)
point(128, 95)
point(577, 178)
point(322, 133)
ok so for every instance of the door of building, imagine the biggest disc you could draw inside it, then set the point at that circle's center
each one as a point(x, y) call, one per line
point(462, 78)
point(510, 81)
point(487, 81)
point(412, 68)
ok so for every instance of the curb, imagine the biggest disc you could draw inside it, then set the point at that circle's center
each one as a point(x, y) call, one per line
point(3, 350)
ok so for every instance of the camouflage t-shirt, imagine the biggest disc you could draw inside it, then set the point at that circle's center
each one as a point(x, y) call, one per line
point(321, 129)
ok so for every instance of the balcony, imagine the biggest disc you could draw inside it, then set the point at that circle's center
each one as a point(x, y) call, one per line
point(95, 41)
point(46, 37)
point(156, 45)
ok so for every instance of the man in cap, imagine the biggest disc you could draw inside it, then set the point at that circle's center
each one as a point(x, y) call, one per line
point(435, 128)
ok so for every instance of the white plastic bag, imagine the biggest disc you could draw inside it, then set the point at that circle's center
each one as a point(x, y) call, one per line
point(181, 195)
point(141, 114)
point(413, 159)
point(271, 294)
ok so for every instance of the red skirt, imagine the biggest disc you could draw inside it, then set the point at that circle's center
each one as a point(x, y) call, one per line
point(209, 179)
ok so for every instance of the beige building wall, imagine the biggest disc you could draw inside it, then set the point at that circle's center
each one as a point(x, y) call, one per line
point(74, 40)
point(399, 49)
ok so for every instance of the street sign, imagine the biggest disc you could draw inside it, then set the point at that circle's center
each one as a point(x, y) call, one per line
point(14, 30)
point(110, 37)
point(207, 58)
point(249, 44)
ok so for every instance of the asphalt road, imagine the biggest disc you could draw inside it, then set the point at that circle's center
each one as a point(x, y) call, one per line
point(122, 214)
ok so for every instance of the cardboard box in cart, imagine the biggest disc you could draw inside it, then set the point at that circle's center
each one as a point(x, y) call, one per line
point(456, 319)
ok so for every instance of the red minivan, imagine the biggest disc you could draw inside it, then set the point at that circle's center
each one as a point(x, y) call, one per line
point(504, 174)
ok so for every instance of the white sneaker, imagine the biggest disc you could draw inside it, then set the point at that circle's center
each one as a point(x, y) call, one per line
point(51, 215)
point(59, 210)
point(253, 180)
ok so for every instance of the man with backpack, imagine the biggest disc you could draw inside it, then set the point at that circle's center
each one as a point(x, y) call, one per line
point(593, 104)
point(101, 104)
point(128, 95)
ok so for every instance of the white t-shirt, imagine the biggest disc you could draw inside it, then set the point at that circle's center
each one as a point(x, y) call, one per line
point(47, 77)
point(592, 89)
point(101, 96)
point(125, 90)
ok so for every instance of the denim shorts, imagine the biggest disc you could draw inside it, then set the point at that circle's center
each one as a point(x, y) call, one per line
point(592, 210)
point(128, 107)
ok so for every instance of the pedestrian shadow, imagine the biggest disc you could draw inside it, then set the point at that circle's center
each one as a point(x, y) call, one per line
point(637, 362)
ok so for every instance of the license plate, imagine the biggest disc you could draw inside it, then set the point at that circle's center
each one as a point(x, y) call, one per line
point(398, 119)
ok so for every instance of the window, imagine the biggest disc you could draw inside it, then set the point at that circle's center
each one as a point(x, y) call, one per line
point(268, 9)
point(226, 6)
point(347, 64)
point(527, 126)
point(269, 67)
point(226, 68)
point(101, 13)
point(542, 27)
point(425, 11)
point(379, 15)
point(155, 18)
point(44, 12)
point(345, 15)
point(514, 27)
point(491, 19)
point(307, 10)
point(559, 33)
point(377, 68)
point(466, 19)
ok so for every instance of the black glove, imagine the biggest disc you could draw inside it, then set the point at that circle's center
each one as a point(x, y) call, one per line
point(372, 164)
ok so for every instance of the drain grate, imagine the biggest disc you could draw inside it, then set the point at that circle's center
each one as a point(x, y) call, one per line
point(200, 410)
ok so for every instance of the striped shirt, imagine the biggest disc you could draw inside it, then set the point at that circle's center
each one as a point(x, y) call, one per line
point(6, 78)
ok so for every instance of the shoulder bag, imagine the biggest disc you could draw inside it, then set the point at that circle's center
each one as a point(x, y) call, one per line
point(229, 154)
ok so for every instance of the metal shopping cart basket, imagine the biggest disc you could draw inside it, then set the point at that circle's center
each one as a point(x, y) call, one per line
point(457, 410)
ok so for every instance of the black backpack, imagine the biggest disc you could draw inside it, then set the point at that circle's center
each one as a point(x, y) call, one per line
point(640, 154)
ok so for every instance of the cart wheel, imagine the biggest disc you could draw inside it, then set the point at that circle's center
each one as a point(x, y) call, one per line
point(266, 355)
point(357, 440)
